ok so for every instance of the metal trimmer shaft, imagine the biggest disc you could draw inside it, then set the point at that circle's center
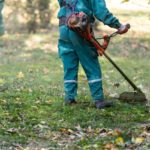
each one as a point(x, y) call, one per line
point(122, 73)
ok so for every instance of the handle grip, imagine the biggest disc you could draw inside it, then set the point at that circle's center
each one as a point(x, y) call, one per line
point(128, 26)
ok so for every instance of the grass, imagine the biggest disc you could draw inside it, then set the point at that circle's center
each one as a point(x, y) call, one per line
point(32, 113)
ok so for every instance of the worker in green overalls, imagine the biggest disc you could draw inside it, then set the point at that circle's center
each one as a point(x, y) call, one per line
point(74, 49)
point(1, 18)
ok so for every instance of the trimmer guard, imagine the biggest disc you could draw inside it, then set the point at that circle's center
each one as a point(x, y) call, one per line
point(133, 97)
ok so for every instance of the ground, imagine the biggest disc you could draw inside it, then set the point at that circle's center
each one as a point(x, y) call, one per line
point(32, 112)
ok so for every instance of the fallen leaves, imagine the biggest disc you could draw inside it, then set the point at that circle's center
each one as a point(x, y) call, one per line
point(12, 130)
point(120, 141)
point(20, 75)
point(46, 70)
point(115, 138)
point(3, 102)
point(138, 140)
point(110, 147)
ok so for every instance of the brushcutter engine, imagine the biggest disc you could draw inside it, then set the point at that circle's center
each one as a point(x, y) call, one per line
point(80, 23)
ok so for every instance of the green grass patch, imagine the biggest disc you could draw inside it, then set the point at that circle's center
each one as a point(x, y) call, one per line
point(32, 112)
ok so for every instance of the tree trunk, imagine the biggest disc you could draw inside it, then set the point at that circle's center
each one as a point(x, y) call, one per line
point(32, 21)
point(44, 13)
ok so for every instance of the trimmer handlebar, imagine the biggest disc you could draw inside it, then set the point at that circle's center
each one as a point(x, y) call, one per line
point(128, 25)
point(107, 38)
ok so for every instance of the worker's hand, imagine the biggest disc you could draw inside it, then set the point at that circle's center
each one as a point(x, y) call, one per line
point(123, 29)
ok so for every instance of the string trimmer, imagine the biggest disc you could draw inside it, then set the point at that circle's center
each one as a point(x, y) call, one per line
point(79, 22)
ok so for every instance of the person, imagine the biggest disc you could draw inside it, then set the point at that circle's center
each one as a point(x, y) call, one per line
point(73, 49)
point(1, 18)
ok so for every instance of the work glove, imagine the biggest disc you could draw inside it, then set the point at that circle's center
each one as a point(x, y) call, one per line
point(123, 29)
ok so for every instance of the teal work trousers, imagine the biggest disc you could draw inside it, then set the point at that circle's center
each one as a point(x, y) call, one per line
point(74, 50)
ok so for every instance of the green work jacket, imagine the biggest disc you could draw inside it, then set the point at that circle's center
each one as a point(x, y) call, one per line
point(93, 8)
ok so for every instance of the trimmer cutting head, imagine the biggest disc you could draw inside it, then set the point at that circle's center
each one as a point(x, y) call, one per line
point(133, 97)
